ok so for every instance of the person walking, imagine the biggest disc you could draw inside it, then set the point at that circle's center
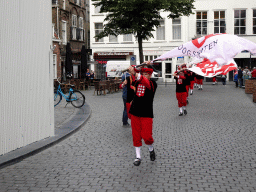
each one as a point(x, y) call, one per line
point(236, 78)
point(142, 111)
point(200, 82)
point(240, 77)
point(214, 81)
point(223, 79)
point(124, 96)
point(181, 91)
point(192, 81)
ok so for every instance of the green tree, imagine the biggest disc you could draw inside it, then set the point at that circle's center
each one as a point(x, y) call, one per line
point(139, 17)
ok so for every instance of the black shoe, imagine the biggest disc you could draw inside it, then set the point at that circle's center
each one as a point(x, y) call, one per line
point(187, 102)
point(137, 162)
point(180, 114)
point(191, 93)
point(152, 155)
point(126, 125)
point(185, 112)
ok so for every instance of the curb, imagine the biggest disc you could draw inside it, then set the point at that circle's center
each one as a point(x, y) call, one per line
point(77, 120)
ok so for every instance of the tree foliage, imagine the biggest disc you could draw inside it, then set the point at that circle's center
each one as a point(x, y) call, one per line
point(139, 17)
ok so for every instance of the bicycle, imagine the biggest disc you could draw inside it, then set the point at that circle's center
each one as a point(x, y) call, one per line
point(76, 98)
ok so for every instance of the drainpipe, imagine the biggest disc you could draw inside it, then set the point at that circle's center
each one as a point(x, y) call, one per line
point(58, 32)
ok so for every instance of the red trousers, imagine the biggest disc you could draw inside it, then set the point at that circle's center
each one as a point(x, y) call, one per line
point(182, 99)
point(200, 81)
point(128, 106)
point(192, 85)
point(187, 88)
point(214, 79)
point(196, 80)
point(142, 129)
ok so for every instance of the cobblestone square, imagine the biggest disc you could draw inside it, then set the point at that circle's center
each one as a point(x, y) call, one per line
point(212, 148)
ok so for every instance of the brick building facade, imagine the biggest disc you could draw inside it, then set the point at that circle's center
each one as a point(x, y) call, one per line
point(70, 20)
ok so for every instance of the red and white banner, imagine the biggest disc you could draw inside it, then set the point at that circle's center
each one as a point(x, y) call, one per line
point(207, 68)
point(218, 49)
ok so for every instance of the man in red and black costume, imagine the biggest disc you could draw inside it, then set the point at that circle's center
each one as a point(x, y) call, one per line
point(187, 78)
point(181, 91)
point(192, 81)
point(142, 111)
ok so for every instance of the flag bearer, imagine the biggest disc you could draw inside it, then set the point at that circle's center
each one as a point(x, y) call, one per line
point(142, 111)
point(181, 91)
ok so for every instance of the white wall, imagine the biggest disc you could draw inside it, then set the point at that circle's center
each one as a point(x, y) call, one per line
point(26, 88)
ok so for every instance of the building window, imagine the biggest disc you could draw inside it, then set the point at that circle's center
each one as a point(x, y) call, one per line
point(54, 66)
point(81, 29)
point(112, 38)
point(64, 32)
point(219, 22)
point(127, 37)
point(254, 21)
point(176, 29)
point(98, 30)
point(201, 23)
point(54, 2)
point(160, 31)
point(240, 22)
point(73, 27)
point(150, 57)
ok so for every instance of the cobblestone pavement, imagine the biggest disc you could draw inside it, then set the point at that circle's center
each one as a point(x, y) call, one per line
point(212, 148)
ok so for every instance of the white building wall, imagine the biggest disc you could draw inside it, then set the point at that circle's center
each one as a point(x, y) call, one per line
point(26, 86)
point(188, 31)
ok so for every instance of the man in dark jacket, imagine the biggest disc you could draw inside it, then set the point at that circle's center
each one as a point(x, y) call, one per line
point(240, 77)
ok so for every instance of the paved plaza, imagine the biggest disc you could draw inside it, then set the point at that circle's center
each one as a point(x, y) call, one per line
point(212, 148)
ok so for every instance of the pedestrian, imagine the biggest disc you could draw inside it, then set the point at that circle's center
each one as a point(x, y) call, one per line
point(124, 96)
point(236, 77)
point(92, 75)
point(187, 78)
point(240, 77)
point(223, 79)
point(181, 91)
point(200, 82)
point(249, 73)
point(196, 82)
point(254, 72)
point(214, 81)
point(142, 111)
point(192, 81)
point(88, 74)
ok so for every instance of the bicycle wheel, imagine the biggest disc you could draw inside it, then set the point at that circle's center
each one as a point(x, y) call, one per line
point(57, 98)
point(77, 99)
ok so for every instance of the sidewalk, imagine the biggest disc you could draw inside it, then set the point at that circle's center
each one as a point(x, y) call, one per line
point(67, 120)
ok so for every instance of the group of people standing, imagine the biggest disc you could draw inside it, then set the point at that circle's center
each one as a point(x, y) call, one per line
point(242, 74)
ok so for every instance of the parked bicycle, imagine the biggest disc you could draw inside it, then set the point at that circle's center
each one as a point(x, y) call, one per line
point(76, 98)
